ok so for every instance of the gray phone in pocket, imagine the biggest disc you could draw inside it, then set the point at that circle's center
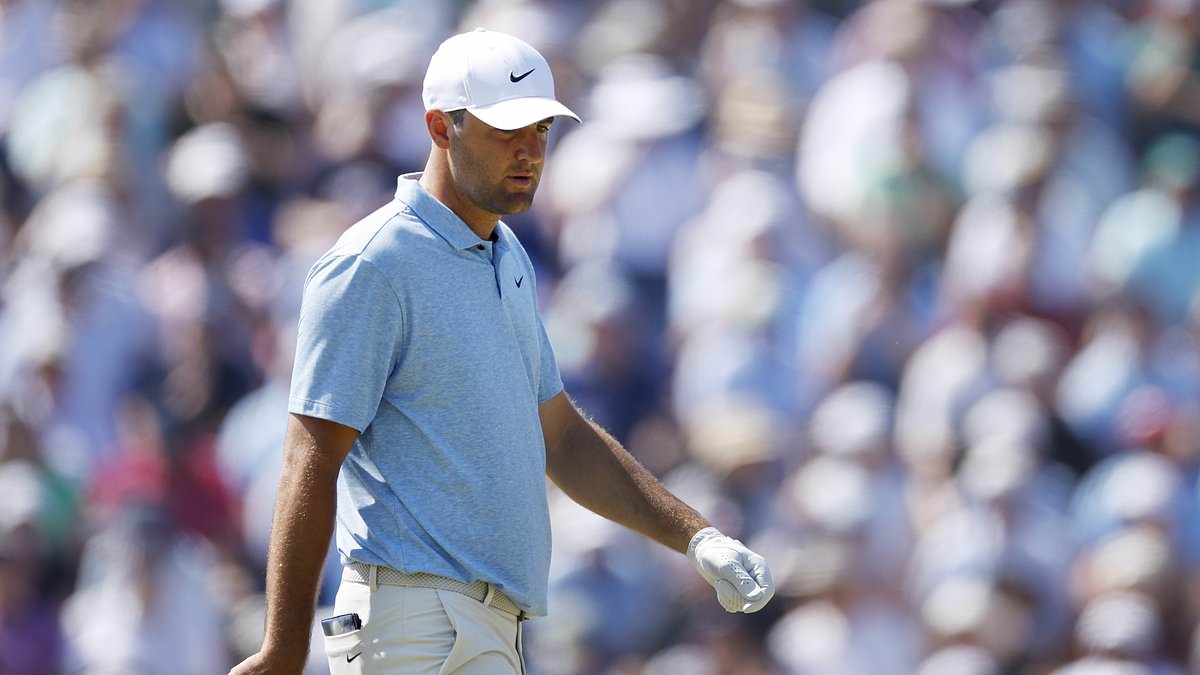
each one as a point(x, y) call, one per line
point(341, 624)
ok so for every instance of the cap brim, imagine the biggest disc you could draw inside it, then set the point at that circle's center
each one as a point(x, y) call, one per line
point(516, 113)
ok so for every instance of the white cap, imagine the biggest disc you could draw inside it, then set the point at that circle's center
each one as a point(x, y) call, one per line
point(498, 78)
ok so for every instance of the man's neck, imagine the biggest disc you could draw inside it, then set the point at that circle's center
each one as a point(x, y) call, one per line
point(437, 182)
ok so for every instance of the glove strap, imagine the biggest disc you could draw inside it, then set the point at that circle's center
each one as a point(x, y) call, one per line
point(701, 536)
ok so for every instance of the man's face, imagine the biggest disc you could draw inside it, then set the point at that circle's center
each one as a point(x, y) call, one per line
point(498, 171)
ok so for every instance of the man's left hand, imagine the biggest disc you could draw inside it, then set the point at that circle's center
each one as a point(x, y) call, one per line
point(740, 576)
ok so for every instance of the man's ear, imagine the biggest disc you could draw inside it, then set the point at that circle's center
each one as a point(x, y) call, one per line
point(438, 124)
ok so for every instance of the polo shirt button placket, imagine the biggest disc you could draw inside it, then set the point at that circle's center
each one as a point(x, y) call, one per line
point(496, 273)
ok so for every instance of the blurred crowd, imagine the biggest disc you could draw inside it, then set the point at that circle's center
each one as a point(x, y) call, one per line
point(903, 293)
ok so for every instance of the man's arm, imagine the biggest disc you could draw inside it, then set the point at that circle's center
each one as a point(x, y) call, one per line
point(300, 530)
point(593, 469)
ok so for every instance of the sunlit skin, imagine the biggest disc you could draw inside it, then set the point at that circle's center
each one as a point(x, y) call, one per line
point(482, 173)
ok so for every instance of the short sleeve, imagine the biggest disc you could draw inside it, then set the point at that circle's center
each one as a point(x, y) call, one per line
point(347, 343)
point(549, 380)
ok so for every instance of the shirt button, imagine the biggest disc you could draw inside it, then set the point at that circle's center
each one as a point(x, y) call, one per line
point(479, 247)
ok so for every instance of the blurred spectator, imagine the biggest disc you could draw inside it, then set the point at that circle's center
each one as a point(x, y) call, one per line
point(35, 516)
point(73, 279)
point(1120, 632)
point(603, 195)
point(30, 634)
point(28, 47)
point(148, 583)
point(960, 660)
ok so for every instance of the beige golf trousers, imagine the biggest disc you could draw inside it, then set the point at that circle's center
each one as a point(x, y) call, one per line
point(422, 631)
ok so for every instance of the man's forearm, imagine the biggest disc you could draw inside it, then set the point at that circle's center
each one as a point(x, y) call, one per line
point(300, 533)
point(593, 469)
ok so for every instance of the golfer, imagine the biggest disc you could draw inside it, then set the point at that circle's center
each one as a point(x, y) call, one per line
point(426, 409)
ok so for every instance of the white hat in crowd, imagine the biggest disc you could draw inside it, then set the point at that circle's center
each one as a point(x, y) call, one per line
point(496, 77)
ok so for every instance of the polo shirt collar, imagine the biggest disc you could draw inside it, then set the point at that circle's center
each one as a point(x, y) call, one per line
point(434, 213)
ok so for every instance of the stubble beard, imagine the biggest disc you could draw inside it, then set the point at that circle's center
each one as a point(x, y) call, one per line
point(507, 203)
point(494, 195)
point(491, 194)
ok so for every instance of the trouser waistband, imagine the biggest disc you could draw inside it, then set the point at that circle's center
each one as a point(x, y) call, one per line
point(481, 591)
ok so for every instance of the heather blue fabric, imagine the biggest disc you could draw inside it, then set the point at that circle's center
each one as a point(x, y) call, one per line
point(427, 340)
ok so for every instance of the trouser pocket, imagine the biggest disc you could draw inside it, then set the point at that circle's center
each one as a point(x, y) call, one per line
point(486, 639)
point(345, 653)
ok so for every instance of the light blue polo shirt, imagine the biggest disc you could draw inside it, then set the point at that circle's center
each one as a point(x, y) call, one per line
point(427, 340)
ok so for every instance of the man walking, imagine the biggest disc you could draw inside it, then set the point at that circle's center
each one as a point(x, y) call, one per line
point(425, 380)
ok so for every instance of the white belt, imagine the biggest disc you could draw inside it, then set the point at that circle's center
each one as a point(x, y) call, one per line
point(480, 591)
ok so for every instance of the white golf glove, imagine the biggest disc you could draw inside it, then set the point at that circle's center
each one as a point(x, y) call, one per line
point(741, 576)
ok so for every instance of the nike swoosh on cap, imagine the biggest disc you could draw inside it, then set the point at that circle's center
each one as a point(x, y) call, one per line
point(518, 78)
